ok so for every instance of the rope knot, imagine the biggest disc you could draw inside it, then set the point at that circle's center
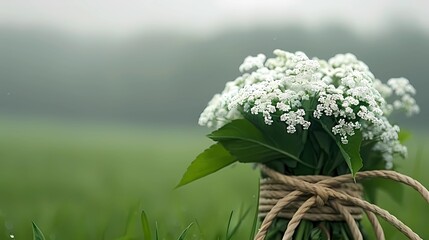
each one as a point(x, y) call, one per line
point(324, 198)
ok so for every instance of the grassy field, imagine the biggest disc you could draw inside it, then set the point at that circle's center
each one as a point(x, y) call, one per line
point(90, 181)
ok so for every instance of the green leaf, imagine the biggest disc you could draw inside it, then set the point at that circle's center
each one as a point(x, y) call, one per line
point(303, 229)
point(404, 135)
point(351, 152)
point(319, 233)
point(131, 226)
point(185, 231)
point(37, 233)
point(209, 161)
point(145, 226)
point(276, 134)
point(308, 156)
point(323, 140)
point(246, 142)
point(316, 234)
point(156, 231)
point(372, 160)
point(255, 215)
point(394, 189)
point(230, 233)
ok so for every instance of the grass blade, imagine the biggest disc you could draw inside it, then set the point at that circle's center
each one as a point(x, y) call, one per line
point(132, 224)
point(240, 221)
point(199, 229)
point(156, 231)
point(255, 217)
point(37, 233)
point(228, 226)
point(183, 234)
point(145, 226)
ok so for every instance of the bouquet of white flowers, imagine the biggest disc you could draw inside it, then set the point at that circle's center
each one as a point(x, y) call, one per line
point(301, 116)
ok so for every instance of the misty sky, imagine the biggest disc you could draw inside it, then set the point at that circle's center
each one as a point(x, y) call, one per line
point(210, 16)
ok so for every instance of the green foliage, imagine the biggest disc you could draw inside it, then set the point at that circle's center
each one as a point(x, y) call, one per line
point(231, 230)
point(243, 140)
point(324, 141)
point(156, 231)
point(228, 226)
point(84, 179)
point(393, 189)
point(404, 135)
point(132, 233)
point(240, 140)
point(209, 161)
point(250, 140)
point(275, 135)
point(351, 152)
point(318, 233)
point(147, 234)
point(37, 233)
point(136, 218)
point(79, 181)
point(255, 215)
point(185, 232)
point(304, 230)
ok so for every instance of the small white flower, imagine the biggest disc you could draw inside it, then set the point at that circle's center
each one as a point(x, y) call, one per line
point(342, 88)
point(401, 86)
point(252, 62)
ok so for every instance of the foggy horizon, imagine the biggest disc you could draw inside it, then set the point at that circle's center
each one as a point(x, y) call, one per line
point(116, 19)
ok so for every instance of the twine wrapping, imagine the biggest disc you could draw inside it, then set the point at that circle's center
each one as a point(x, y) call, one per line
point(324, 198)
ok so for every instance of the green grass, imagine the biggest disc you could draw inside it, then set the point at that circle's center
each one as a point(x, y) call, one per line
point(90, 181)
point(82, 181)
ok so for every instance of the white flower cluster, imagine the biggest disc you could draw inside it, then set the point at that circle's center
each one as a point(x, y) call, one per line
point(296, 90)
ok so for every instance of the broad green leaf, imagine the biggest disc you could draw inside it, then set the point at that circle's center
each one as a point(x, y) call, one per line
point(351, 152)
point(145, 226)
point(37, 233)
point(246, 142)
point(255, 152)
point(184, 232)
point(394, 189)
point(211, 160)
point(333, 163)
point(308, 155)
point(323, 140)
point(372, 160)
point(276, 134)
point(276, 165)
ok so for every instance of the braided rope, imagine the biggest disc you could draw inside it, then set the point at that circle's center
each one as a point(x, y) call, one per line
point(324, 198)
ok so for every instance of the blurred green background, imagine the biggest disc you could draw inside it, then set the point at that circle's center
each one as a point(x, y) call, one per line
point(99, 102)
